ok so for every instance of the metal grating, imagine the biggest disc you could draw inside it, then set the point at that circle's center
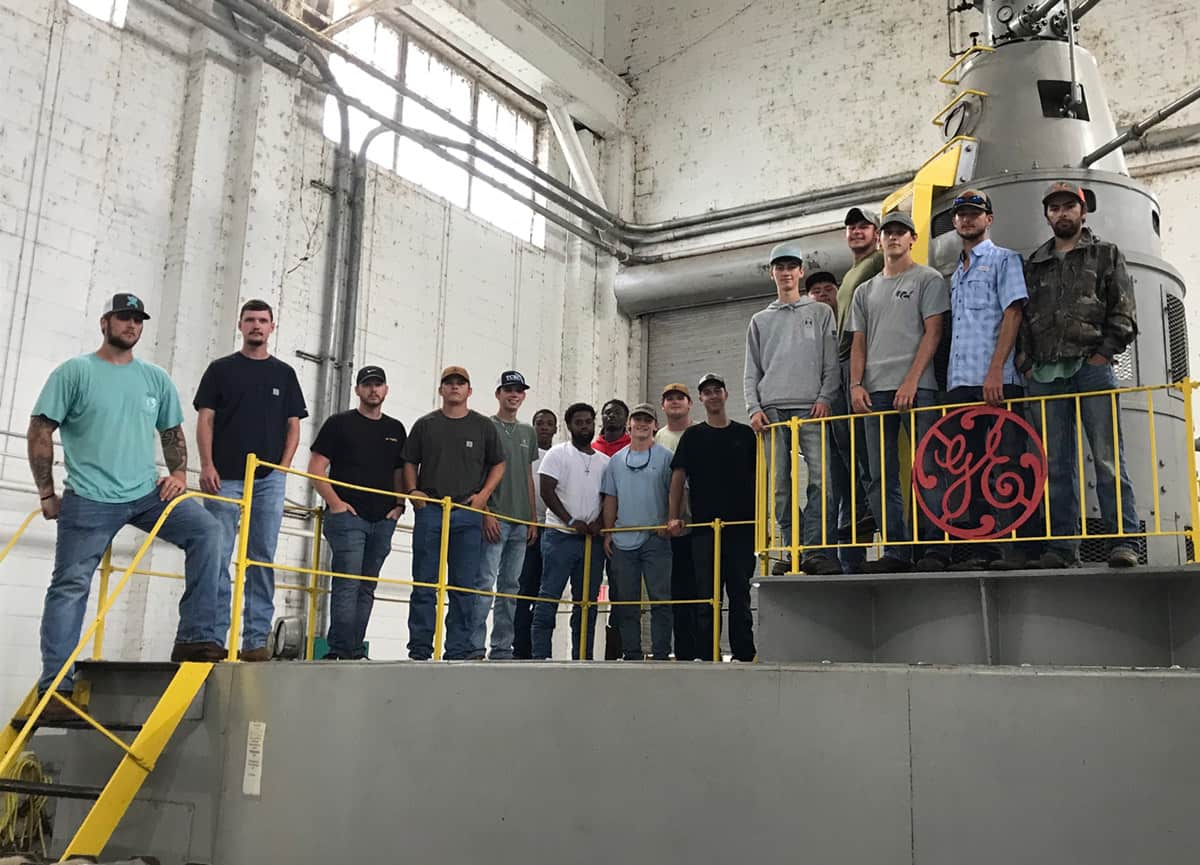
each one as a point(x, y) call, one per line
point(1177, 338)
point(1096, 549)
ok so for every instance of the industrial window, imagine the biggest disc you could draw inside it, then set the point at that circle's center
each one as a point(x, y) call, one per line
point(427, 73)
point(109, 11)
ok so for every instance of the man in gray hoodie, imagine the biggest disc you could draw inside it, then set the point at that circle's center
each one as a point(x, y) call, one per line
point(792, 371)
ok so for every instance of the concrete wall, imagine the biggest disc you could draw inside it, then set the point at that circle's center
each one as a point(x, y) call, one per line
point(152, 159)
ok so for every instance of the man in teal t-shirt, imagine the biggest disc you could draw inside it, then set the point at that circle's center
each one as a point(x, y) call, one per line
point(107, 406)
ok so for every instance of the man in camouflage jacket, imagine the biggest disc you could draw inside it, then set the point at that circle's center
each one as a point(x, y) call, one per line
point(1079, 316)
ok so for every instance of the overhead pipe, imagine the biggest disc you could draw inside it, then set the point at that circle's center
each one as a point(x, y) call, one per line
point(1140, 128)
point(1084, 8)
point(1027, 21)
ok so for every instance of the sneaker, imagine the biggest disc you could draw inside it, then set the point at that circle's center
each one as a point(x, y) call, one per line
point(974, 563)
point(1122, 557)
point(254, 656)
point(930, 565)
point(208, 652)
point(820, 566)
point(887, 565)
point(779, 568)
point(1051, 560)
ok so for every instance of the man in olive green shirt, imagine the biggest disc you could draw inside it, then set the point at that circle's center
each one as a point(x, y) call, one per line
point(504, 542)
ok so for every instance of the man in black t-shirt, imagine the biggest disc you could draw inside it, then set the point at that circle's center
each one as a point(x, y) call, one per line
point(362, 446)
point(717, 460)
point(249, 402)
point(453, 453)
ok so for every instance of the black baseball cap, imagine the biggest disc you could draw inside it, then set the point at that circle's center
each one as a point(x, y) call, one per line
point(511, 377)
point(819, 277)
point(370, 372)
point(126, 303)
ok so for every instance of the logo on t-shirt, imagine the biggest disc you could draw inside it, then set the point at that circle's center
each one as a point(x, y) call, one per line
point(392, 439)
point(903, 293)
point(470, 444)
point(151, 403)
point(274, 391)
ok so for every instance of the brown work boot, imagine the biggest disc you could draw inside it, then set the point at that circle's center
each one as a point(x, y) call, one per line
point(206, 652)
point(56, 710)
point(262, 653)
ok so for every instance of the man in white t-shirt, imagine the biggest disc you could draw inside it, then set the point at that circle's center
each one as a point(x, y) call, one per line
point(569, 478)
point(545, 426)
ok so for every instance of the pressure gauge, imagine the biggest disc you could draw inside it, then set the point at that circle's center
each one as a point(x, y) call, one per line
point(1004, 14)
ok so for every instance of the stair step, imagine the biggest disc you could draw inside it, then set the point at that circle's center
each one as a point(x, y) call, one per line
point(54, 791)
point(78, 724)
point(128, 666)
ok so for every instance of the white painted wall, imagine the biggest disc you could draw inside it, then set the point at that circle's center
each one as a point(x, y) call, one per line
point(151, 159)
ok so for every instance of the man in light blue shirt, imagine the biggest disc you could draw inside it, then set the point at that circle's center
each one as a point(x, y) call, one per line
point(987, 297)
point(107, 407)
point(636, 491)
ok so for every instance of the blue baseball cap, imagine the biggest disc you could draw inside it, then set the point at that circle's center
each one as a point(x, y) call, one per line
point(788, 249)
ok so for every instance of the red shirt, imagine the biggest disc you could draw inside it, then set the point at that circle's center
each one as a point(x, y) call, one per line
point(609, 448)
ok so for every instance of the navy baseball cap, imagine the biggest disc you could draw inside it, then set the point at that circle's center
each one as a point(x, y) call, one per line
point(511, 377)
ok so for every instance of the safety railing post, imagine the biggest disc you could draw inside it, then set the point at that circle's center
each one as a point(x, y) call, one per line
point(716, 591)
point(1190, 431)
point(1080, 477)
point(794, 505)
point(585, 646)
point(105, 572)
point(243, 547)
point(443, 579)
point(314, 585)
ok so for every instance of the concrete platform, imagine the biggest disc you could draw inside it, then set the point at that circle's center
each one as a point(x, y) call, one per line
point(672, 763)
point(1137, 617)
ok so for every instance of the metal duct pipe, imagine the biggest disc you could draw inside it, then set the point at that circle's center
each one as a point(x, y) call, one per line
point(1084, 8)
point(1027, 22)
point(1140, 128)
point(723, 276)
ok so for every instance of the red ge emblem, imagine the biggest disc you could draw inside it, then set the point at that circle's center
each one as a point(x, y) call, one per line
point(1011, 486)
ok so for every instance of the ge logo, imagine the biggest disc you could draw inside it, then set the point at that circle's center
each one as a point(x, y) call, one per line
point(1008, 472)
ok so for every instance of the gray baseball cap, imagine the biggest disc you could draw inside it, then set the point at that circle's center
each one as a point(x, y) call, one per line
point(898, 217)
point(861, 214)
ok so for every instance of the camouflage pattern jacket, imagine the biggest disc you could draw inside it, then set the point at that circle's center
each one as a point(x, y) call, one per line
point(1077, 307)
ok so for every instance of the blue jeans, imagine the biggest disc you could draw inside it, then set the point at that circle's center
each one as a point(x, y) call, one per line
point(840, 476)
point(266, 513)
point(85, 529)
point(357, 546)
point(562, 560)
point(462, 569)
point(887, 488)
point(651, 561)
point(1096, 414)
point(500, 570)
point(818, 488)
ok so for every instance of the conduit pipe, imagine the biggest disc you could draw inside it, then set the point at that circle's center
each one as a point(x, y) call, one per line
point(1140, 128)
point(1084, 8)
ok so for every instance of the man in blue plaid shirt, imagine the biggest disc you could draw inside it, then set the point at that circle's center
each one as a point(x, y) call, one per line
point(987, 297)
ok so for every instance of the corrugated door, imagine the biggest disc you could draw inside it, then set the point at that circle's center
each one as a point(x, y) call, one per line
point(684, 344)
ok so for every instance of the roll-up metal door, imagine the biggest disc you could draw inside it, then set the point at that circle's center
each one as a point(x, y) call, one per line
point(684, 344)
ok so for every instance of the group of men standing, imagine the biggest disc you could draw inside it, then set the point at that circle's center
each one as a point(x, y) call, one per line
point(1047, 326)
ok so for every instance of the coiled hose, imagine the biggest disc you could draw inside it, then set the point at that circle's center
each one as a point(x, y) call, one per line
point(22, 816)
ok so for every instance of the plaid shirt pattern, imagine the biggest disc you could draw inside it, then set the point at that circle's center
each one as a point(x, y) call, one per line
point(979, 296)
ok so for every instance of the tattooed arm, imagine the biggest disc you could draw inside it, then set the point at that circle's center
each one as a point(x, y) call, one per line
point(40, 439)
point(174, 448)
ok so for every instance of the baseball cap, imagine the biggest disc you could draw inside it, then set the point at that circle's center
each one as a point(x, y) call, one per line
point(455, 370)
point(710, 378)
point(646, 409)
point(972, 198)
point(789, 249)
point(676, 386)
point(819, 277)
point(369, 372)
point(511, 377)
point(1066, 187)
point(898, 217)
point(125, 303)
point(861, 214)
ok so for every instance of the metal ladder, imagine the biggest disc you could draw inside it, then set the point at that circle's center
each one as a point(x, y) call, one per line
point(150, 738)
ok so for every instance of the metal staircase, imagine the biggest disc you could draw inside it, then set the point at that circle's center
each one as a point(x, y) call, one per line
point(145, 715)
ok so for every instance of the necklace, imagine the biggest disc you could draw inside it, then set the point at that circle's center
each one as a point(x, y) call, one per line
point(587, 465)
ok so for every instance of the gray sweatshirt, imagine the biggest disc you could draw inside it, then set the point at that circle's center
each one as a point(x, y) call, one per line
point(792, 356)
